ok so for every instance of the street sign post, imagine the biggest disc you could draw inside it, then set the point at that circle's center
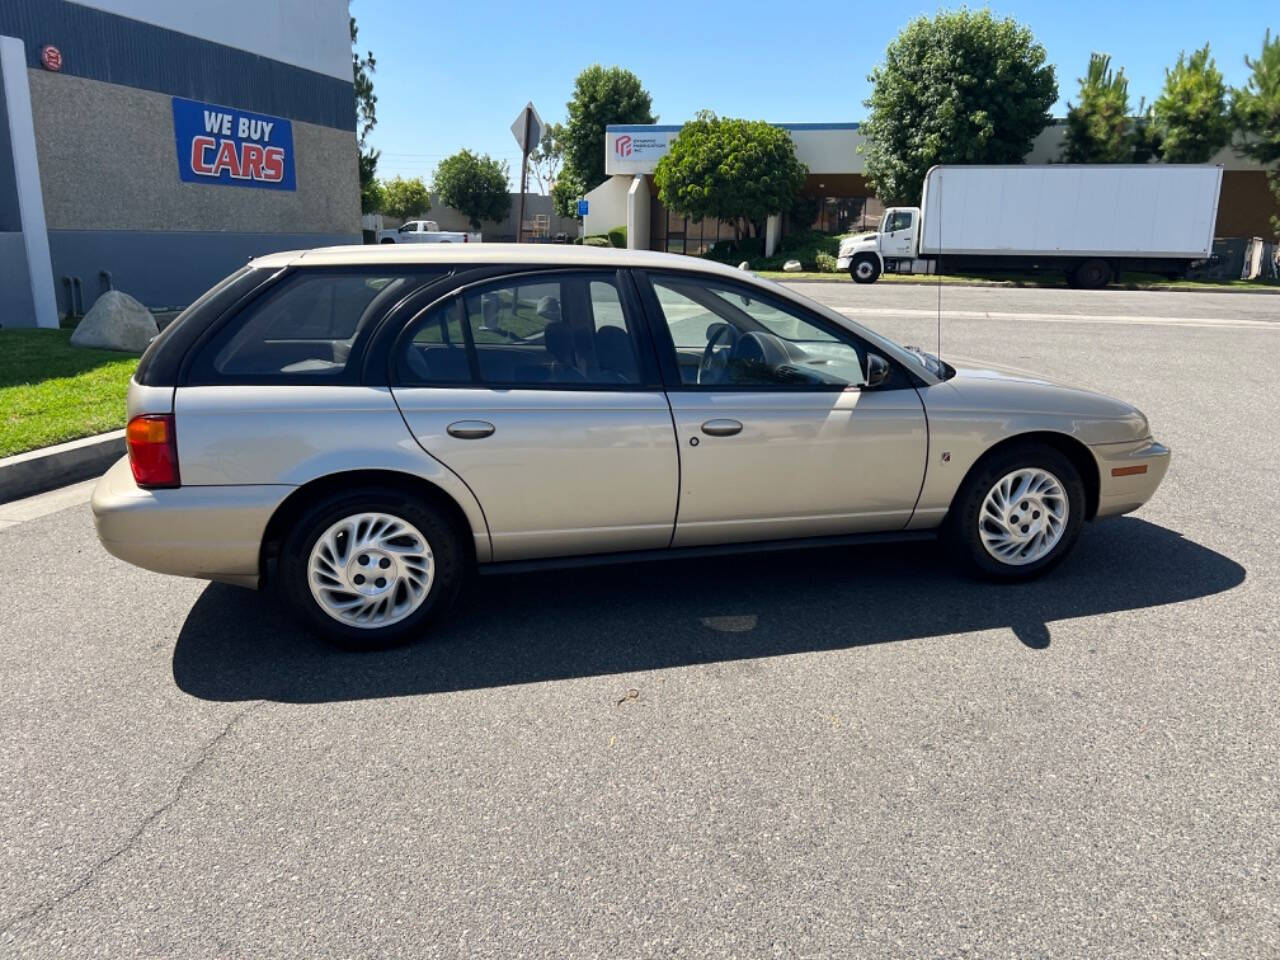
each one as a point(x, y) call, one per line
point(527, 129)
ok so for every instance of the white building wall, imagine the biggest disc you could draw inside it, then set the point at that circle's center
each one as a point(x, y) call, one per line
point(607, 206)
point(26, 171)
point(829, 150)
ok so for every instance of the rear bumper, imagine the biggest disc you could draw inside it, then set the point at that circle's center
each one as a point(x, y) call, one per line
point(1129, 474)
point(212, 533)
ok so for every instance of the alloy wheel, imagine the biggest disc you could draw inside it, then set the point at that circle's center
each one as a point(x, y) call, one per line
point(1023, 516)
point(370, 570)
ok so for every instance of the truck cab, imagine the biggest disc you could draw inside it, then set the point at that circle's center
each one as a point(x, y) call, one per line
point(891, 249)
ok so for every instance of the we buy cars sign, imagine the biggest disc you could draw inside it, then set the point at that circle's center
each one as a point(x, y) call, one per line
point(229, 147)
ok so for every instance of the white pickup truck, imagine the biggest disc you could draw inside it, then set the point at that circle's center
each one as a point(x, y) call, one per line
point(425, 231)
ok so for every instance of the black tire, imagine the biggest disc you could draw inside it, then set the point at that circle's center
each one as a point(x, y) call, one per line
point(447, 556)
point(962, 527)
point(386, 240)
point(865, 268)
point(1092, 275)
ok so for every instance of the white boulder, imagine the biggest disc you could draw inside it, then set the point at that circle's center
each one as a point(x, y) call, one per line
point(792, 266)
point(116, 321)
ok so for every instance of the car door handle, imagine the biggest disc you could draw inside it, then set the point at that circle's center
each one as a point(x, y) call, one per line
point(721, 428)
point(470, 429)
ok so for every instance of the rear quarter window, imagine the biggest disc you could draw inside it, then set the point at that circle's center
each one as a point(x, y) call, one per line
point(162, 359)
point(309, 326)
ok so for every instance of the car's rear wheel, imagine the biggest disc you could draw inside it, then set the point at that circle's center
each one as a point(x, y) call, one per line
point(865, 268)
point(371, 568)
point(1018, 513)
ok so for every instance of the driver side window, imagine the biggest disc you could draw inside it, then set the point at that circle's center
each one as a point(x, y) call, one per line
point(898, 220)
point(728, 337)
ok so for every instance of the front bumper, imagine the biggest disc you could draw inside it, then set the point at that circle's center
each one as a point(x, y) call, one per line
point(844, 262)
point(208, 532)
point(1129, 474)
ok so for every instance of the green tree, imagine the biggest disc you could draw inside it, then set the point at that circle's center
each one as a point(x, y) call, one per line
point(739, 171)
point(565, 193)
point(1192, 112)
point(961, 87)
point(1256, 107)
point(601, 96)
point(366, 119)
point(1148, 136)
point(405, 199)
point(1099, 127)
point(547, 159)
point(373, 197)
point(474, 185)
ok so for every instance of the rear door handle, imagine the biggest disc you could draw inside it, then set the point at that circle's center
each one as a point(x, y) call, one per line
point(721, 428)
point(470, 429)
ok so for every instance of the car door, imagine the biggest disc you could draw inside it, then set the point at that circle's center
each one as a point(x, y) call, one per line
point(779, 435)
point(535, 390)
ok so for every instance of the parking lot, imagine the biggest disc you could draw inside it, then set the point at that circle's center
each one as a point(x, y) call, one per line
point(840, 753)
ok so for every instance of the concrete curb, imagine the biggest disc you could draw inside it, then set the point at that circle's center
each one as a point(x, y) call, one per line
point(36, 471)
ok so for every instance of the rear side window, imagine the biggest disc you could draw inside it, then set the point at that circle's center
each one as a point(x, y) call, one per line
point(308, 326)
point(541, 331)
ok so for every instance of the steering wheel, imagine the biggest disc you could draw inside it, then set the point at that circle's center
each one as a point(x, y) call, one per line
point(713, 365)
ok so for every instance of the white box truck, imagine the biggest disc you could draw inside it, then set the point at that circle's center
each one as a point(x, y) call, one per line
point(1088, 222)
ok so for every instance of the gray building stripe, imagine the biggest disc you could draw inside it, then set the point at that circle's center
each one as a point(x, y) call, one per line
point(105, 46)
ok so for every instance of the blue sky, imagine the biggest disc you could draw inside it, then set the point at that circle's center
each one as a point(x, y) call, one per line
point(453, 75)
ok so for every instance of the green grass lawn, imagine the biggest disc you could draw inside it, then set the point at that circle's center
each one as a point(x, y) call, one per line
point(51, 391)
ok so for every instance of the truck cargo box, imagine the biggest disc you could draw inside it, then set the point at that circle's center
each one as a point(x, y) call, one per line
point(1154, 210)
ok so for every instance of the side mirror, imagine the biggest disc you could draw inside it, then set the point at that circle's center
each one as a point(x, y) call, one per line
point(878, 370)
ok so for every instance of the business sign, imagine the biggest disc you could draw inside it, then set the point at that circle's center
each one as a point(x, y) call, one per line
point(636, 149)
point(229, 147)
point(51, 57)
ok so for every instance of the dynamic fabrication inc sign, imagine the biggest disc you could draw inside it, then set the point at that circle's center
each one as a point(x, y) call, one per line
point(229, 147)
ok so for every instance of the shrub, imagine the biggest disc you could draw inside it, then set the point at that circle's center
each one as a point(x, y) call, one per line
point(618, 237)
point(598, 240)
point(825, 262)
point(803, 245)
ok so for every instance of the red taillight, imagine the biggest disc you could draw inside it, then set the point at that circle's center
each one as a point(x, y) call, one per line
point(153, 450)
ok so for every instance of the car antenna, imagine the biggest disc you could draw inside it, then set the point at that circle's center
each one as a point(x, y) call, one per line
point(937, 266)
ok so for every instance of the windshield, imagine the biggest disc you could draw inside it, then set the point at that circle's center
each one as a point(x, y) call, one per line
point(917, 360)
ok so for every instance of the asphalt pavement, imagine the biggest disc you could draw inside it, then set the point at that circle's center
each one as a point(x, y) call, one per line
point(845, 753)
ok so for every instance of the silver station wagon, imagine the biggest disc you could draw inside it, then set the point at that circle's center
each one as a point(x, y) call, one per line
point(362, 427)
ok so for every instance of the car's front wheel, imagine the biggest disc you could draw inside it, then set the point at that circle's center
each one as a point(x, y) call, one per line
point(371, 568)
point(1018, 513)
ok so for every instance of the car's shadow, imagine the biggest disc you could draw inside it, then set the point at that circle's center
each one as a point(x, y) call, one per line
point(239, 645)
